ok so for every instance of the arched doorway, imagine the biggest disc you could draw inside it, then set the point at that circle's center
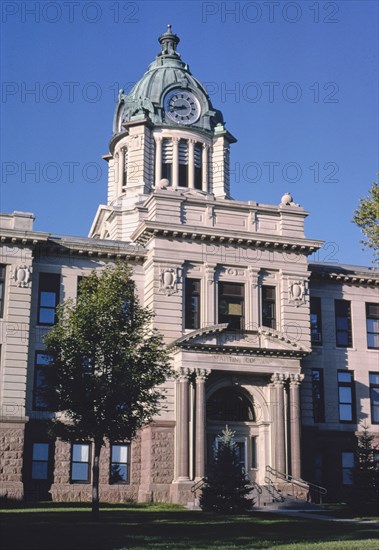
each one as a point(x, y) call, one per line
point(233, 407)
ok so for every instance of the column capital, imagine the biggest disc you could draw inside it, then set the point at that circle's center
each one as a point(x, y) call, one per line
point(191, 141)
point(184, 374)
point(175, 139)
point(158, 139)
point(201, 375)
point(296, 379)
point(278, 378)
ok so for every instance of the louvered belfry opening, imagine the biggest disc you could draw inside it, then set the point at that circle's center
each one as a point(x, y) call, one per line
point(198, 161)
point(183, 163)
point(167, 158)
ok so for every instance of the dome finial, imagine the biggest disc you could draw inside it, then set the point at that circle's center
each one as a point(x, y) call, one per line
point(168, 42)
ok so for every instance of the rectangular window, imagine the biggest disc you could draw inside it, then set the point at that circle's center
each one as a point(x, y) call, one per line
point(269, 306)
point(80, 463)
point(254, 452)
point(40, 461)
point(346, 397)
point(192, 303)
point(316, 330)
point(120, 463)
point(231, 305)
point(372, 325)
point(2, 289)
point(318, 395)
point(42, 362)
point(48, 297)
point(374, 396)
point(343, 323)
point(347, 458)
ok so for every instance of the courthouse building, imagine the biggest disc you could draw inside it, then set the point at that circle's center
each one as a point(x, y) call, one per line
point(282, 350)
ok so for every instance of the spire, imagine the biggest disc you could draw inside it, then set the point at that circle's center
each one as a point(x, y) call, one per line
point(168, 42)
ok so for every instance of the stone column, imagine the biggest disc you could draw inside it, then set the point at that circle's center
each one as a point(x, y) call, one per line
point(191, 163)
point(183, 447)
point(252, 302)
point(158, 159)
point(278, 379)
point(209, 294)
point(201, 375)
point(204, 169)
point(295, 380)
point(175, 162)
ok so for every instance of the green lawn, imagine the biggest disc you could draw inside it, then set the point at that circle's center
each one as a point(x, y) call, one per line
point(55, 526)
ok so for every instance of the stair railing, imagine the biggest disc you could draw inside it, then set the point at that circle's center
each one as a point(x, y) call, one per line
point(276, 495)
point(315, 493)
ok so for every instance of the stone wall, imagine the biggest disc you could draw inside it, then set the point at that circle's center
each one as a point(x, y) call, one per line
point(11, 460)
point(63, 490)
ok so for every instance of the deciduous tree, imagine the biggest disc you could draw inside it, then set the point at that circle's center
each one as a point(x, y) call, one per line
point(366, 216)
point(107, 365)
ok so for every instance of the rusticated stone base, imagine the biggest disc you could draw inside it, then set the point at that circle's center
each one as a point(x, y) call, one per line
point(181, 492)
point(11, 460)
point(62, 490)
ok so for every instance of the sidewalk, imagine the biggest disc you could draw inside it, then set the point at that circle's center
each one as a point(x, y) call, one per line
point(321, 515)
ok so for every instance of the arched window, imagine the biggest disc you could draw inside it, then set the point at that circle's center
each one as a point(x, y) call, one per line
point(229, 404)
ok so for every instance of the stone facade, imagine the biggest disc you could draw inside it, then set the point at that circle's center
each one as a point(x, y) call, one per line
point(231, 286)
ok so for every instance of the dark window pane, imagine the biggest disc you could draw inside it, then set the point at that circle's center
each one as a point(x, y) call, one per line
point(40, 451)
point(374, 378)
point(119, 473)
point(268, 307)
point(39, 470)
point(231, 305)
point(346, 414)
point(80, 453)
point(343, 323)
point(192, 303)
point(344, 377)
point(79, 472)
point(48, 299)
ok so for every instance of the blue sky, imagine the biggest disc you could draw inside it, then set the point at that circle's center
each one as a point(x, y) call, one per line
point(297, 83)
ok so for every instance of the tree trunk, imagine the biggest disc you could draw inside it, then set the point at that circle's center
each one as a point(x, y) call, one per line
point(95, 480)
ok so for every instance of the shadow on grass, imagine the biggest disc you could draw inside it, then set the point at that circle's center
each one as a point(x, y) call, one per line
point(137, 527)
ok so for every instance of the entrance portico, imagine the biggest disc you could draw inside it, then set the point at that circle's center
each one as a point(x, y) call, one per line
point(265, 380)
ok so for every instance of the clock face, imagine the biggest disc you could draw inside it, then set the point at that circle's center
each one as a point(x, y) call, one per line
point(182, 107)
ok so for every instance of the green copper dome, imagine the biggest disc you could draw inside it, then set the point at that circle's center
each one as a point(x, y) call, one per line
point(166, 73)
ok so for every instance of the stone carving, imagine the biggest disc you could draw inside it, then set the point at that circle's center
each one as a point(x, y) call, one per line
point(279, 378)
point(168, 280)
point(296, 379)
point(201, 375)
point(184, 373)
point(210, 273)
point(135, 142)
point(297, 293)
point(253, 276)
point(21, 275)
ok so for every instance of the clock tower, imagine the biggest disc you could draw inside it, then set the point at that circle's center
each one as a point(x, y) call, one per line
point(166, 136)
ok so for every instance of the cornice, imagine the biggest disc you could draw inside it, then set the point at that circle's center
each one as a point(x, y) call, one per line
point(344, 275)
point(48, 244)
point(150, 229)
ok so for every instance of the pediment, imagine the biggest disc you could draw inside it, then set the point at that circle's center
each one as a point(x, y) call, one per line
point(264, 341)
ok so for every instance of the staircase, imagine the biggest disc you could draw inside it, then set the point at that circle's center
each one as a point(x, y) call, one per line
point(280, 491)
